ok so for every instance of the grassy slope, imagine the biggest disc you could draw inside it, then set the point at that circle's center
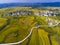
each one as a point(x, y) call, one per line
point(38, 37)
point(15, 29)
point(43, 36)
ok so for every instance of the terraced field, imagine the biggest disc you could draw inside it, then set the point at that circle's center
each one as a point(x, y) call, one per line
point(44, 37)
point(34, 38)
point(14, 29)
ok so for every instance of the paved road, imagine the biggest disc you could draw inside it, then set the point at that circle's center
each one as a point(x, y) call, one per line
point(30, 34)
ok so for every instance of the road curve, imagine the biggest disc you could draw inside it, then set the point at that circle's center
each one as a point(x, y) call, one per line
point(23, 39)
point(29, 34)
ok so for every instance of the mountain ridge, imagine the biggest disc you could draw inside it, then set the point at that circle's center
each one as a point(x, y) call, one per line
point(51, 4)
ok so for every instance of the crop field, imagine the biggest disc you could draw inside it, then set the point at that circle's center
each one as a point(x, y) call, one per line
point(16, 28)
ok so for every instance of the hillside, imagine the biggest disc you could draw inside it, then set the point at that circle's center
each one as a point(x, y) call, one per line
point(16, 28)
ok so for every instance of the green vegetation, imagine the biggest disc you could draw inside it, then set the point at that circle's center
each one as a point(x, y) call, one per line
point(34, 38)
point(14, 29)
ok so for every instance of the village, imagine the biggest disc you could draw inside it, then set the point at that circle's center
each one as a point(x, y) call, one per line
point(30, 12)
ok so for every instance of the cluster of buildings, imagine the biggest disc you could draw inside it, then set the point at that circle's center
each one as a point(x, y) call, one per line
point(45, 13)
point(17, 13)
point(25, 12)
point(52, 22)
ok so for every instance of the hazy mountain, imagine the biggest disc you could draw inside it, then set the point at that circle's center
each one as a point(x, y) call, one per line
point(53, 4)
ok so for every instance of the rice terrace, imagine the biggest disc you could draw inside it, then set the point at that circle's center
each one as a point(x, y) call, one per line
point(30, 26)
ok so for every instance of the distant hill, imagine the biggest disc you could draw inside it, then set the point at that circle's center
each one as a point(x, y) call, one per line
point(53, 4)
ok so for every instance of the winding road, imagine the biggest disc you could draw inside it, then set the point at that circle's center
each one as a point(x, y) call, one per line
point(30, 34)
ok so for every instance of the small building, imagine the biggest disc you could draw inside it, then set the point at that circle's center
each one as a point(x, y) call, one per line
point(50, 24)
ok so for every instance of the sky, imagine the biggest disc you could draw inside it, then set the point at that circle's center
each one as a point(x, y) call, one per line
point(27, 1)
